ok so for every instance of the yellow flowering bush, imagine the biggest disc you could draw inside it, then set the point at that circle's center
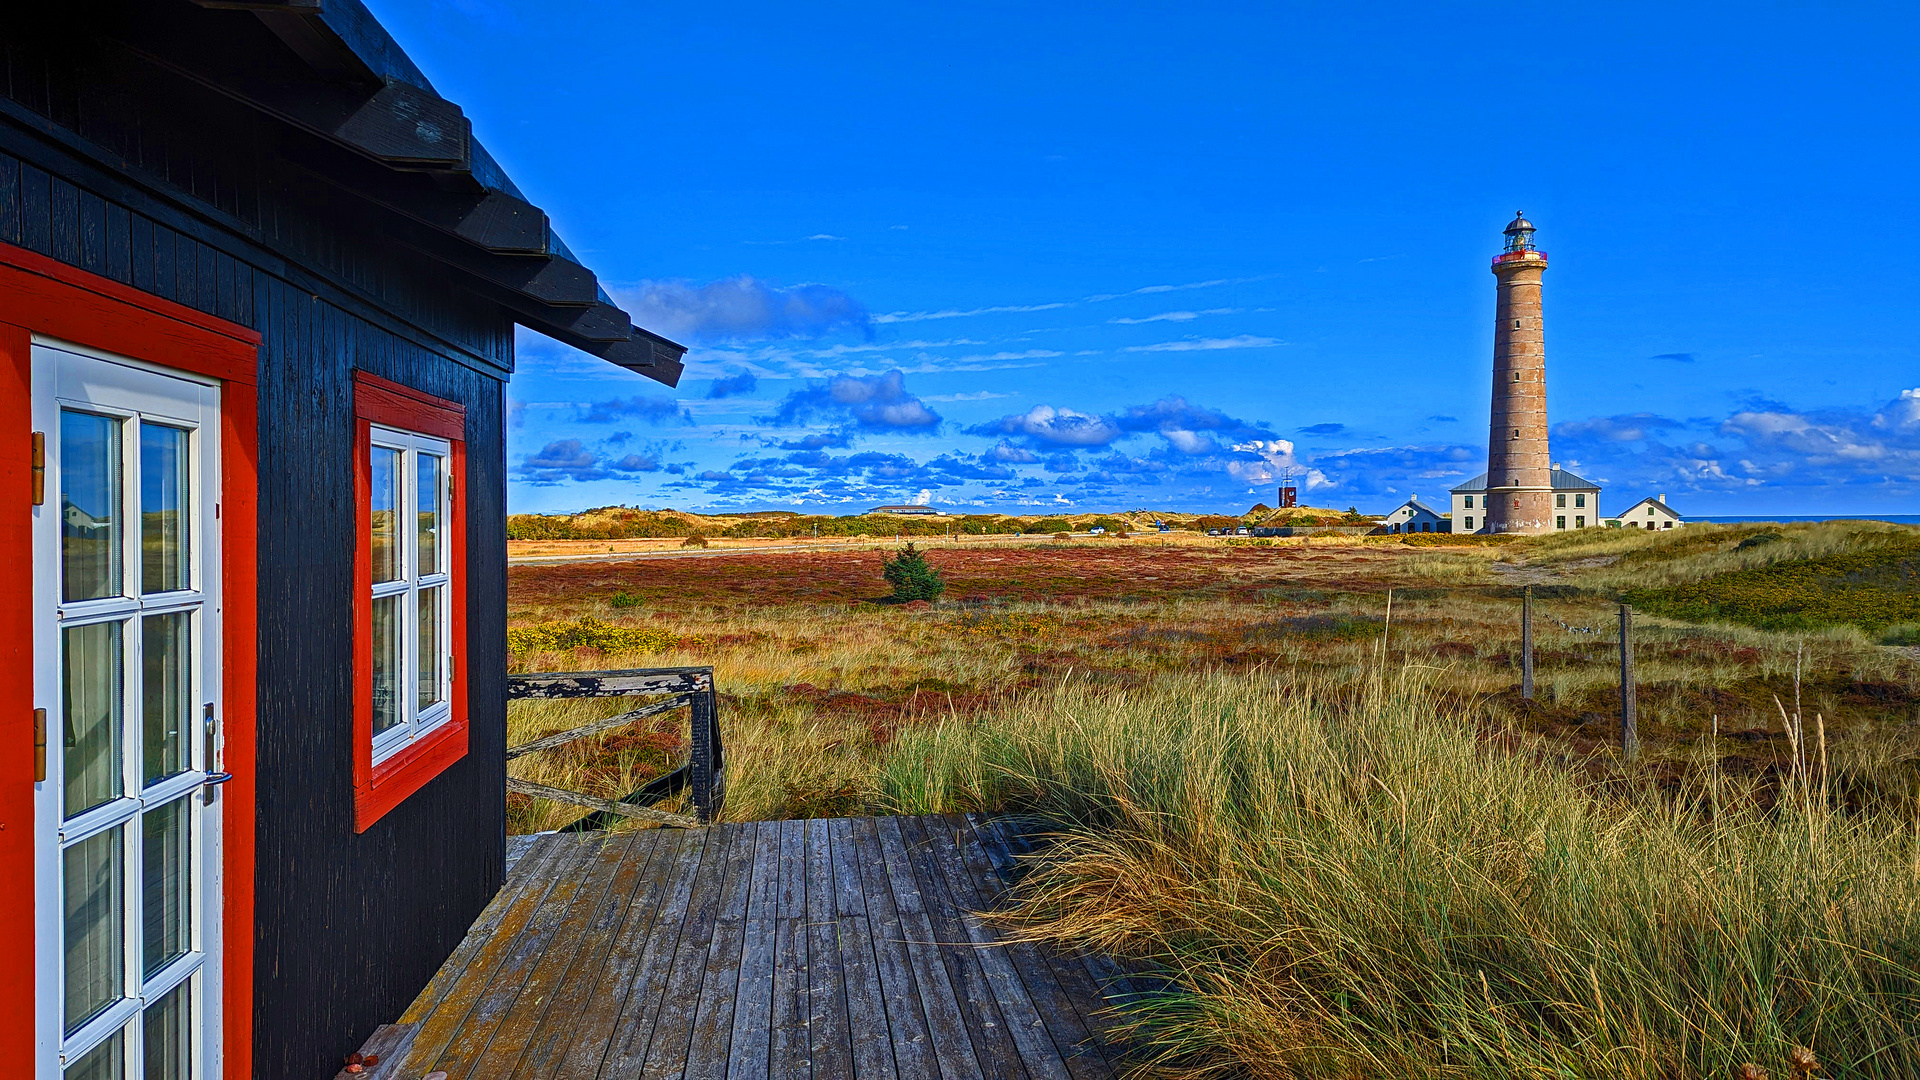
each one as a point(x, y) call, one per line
point(590, 633)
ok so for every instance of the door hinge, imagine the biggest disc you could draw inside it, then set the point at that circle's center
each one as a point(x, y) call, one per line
point(39, 468)
point(39, 746)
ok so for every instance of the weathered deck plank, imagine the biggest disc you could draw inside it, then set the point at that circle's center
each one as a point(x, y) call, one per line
point(993, 1044)
point(548, 1048)
point(823, 949)
point(712, 1034)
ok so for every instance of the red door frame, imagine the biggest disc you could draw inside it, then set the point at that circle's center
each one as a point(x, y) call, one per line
point(41, 296)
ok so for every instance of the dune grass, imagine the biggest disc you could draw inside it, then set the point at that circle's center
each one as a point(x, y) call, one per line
point(1345, 887)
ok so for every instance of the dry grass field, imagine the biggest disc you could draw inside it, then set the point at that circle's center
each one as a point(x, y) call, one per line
point(1340, 829)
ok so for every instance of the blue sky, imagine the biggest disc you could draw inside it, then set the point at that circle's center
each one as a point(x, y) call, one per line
point(1118, 255)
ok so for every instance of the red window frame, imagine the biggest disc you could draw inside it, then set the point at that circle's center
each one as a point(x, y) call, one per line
point(39, 295)
point(377, 789)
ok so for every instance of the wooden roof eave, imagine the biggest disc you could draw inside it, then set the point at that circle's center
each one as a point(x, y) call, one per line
point(361, 93)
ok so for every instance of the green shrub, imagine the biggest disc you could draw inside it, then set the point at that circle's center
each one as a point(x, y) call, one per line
point(623, 600)
point(1904, 634)
point(911, 576)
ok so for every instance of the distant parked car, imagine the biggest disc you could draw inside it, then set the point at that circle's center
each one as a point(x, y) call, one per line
point(1097, 530)
point(1241, 531)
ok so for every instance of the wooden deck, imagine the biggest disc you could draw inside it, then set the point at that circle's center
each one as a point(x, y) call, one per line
point(825, 948)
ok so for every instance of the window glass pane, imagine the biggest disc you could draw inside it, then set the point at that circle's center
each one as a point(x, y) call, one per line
point(104, 1062)
point(387, 636)
point(386, 504)
point(164, 483)
point(430, 638)
point(166, 691)
point(164, 883)
point(90, 661)
point(168, 1037)
point(89, 505)
point(94, 935)
point(429, 516)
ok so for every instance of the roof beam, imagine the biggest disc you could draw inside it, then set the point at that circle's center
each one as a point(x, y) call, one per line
point(497, 221)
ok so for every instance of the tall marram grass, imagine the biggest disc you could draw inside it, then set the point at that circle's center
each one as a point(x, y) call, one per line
point(1372, 889)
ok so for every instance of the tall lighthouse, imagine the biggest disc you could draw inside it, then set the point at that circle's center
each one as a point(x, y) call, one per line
point(1519, 495)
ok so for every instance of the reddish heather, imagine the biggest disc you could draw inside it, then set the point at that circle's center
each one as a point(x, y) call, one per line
point(1116, 570)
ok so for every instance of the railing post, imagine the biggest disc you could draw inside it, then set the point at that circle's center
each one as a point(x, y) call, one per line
point(1526, 643)
point(1629, 736)
point(706, 757)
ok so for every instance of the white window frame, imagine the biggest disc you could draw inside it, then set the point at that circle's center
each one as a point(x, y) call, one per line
point(416, 722)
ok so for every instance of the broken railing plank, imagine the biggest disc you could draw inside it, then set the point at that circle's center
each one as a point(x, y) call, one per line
point(579, 684)
point(606, 806)
point(561, 738)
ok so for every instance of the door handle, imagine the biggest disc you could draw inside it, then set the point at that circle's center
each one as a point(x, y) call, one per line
point(214, 778)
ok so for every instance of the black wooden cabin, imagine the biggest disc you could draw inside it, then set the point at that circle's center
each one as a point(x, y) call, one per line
point(258, 291)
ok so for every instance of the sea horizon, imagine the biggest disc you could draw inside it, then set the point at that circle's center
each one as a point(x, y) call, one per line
point(1784, 519)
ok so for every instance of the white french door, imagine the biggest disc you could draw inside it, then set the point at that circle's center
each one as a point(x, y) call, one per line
point(126, 556)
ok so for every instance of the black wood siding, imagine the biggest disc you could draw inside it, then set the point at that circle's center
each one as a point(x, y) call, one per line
point(135, 175)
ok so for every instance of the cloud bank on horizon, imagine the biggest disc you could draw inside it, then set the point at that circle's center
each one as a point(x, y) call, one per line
point(797, 398)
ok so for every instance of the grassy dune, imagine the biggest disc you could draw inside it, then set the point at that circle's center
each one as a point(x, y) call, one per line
point(1372, 887)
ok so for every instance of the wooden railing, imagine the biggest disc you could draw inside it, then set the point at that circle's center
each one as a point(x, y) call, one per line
point(703, 777)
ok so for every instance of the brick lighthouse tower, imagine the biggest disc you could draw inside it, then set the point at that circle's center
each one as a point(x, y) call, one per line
point(1519, 471)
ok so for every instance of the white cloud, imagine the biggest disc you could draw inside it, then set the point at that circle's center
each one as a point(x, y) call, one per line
point(1242, 341)
point(950, 313)
point(1175, 316)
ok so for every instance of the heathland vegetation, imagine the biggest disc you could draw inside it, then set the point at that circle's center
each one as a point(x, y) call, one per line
point(1333, 826)
point(627, 523)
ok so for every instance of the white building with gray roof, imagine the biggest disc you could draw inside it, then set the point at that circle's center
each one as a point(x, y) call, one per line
point(1576, 503)
point(1414, 516)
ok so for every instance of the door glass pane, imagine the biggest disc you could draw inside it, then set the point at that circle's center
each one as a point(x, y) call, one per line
point(164, 483)
point(429, 515)
point(387, 702)
point(169, 1039)
point(386, 503)
point(164, 883)
point(429, 646)
point(90, 663)
point(89, 505)
point(166, 690)
point(94, 953)
point(104, 1062)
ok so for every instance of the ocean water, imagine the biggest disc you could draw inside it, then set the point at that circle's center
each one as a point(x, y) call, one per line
point(1896, 519)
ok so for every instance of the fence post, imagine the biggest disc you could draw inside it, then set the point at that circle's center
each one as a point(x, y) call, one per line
point(1526, 644)
point(1629, 736)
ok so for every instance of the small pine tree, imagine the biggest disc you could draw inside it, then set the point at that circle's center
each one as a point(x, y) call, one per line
point(911, 577)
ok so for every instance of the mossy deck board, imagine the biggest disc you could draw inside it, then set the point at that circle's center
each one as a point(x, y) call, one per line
point(842, 948)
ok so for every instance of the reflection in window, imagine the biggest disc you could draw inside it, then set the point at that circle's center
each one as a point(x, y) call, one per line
point(166, 695)
point(168, 1032)
point(164, 483)
point(164, 892)
point(386, 664)
point(89, 505)
point(95, 955)
point(385, 505)
point(90, 674)
point(104, 1062)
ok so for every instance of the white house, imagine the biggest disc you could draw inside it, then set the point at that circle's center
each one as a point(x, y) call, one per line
point(1576, 502)
point(1651, 513)
point(1414, 516)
